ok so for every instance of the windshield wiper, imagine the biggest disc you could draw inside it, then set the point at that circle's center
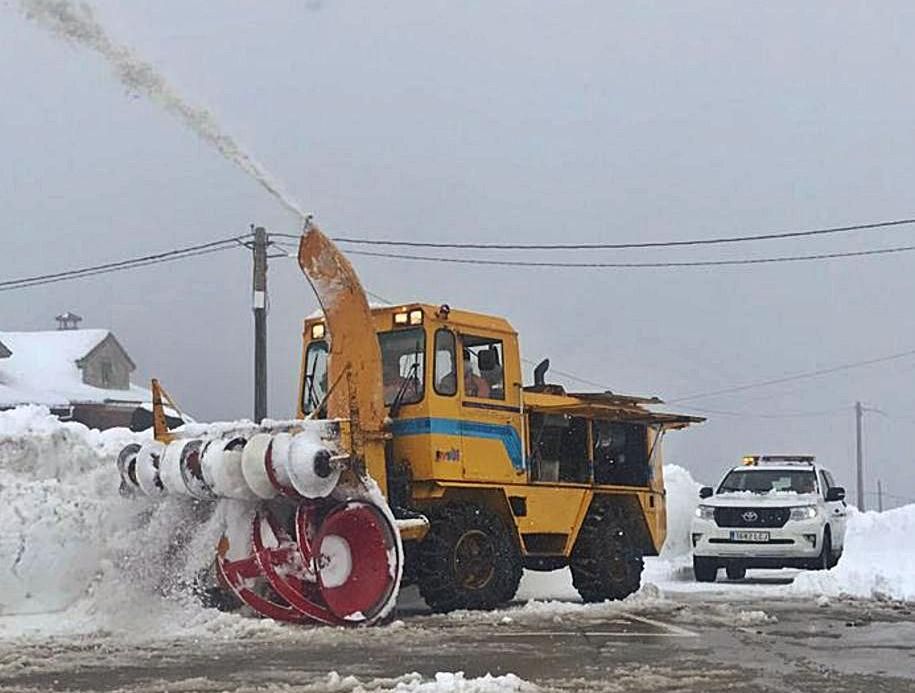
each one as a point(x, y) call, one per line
point(412, 378)
point(311, 398)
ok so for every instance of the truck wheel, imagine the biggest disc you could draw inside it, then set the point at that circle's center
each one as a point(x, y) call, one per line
point(705, 569)
point(834, 559)
point(824, 560)
point(468, 560)
point(606, 562)
point(735, 572)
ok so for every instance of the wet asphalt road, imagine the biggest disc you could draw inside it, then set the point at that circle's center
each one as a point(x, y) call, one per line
point(686, 642)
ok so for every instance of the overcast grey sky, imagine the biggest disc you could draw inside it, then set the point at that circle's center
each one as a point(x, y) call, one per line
point(587, 121)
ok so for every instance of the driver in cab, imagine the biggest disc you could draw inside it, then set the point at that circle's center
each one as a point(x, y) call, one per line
point(474, 385)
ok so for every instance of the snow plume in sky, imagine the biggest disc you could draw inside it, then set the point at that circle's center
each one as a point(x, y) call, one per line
point(77, 22)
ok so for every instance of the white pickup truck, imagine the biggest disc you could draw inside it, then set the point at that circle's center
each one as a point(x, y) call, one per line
point(773, 511)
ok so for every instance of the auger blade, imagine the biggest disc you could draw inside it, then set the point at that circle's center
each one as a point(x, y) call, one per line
point(358, 561)
point(283, 567)
point(242, 576)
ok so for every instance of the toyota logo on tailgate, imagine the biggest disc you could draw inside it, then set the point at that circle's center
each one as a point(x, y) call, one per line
point(750, 516)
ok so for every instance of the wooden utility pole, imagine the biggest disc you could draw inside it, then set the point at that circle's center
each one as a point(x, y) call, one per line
point(859, 416)
point(259, 298)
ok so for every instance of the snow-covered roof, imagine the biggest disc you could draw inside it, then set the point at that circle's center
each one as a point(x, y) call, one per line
point(42, 369)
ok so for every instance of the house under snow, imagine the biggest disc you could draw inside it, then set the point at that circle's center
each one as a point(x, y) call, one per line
point(81, 375)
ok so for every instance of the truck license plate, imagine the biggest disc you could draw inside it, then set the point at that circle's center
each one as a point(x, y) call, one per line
point(749, 536)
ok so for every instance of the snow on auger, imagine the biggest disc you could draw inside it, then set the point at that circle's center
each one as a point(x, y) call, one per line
point(321, 539)
point(418, 456)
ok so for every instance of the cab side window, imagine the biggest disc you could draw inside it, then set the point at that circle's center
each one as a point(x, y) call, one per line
point(445, 382)
point(483, 367)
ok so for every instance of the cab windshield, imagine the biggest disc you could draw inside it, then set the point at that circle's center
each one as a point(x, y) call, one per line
point(769, 481)
point(403, 365)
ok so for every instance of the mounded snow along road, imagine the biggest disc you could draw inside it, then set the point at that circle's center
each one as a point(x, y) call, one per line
point(94, 595)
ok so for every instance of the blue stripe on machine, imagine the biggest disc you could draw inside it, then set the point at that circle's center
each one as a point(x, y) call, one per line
point(468, 429)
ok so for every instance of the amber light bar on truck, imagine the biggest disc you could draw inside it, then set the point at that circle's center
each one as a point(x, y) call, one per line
point(752, 460)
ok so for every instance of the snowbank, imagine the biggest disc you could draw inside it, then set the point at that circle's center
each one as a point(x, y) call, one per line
point(878, 560)
point(71, 546)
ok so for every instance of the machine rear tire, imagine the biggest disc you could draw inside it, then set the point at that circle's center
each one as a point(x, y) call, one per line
point(468, 560)
point(606, 562)
point(704, 569)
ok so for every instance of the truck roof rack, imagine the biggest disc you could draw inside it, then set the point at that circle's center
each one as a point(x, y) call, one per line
point(753, 460)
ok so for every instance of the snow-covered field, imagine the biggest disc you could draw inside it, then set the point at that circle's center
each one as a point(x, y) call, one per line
point(77, 558)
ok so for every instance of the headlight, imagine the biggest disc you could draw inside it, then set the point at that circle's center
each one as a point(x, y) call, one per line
point(804, 512)
point(705, 512)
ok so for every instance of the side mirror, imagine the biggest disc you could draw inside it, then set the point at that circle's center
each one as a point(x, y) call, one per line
point(835, 493)
point(705, 492)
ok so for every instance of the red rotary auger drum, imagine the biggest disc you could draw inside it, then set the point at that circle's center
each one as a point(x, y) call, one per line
point(322, 545)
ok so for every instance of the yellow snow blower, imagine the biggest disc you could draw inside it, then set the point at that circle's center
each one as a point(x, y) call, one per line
point(418, 456)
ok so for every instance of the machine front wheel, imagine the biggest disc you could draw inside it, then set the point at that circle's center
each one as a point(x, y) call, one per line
point(468, 560)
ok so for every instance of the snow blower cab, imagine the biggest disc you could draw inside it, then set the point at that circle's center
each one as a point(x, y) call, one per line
point(507, 476)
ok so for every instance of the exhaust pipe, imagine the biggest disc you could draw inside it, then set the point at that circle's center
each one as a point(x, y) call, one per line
point(540, 372)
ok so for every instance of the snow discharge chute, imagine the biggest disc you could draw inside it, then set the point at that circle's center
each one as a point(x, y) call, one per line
point(321, 544)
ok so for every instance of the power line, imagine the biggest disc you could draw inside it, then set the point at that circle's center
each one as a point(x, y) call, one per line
point(120, 265)
point(620, 246)
point(571, 376)
point(755, 415)
point(295, 257)
point(629, 265)
point(781, 415)
point(637, 265)
point(797, 376)
point(379, 298)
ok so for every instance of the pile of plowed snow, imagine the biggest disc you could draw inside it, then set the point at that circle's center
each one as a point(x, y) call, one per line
point(878, 561)
point(72, 546)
